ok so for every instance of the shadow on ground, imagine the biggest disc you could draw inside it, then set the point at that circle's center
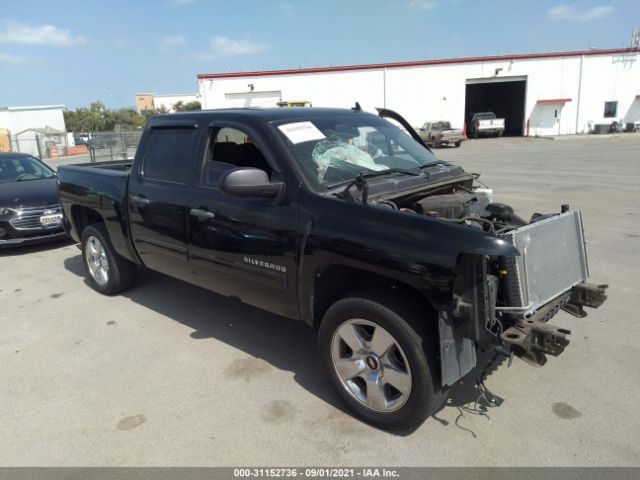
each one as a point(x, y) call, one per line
point(18, 250)
point(285, 344)
point(470, 396)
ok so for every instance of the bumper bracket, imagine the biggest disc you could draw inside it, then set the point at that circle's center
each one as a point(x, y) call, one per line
point(585, 295)
point(532, 340)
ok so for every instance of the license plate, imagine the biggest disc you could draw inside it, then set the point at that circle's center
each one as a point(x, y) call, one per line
point(55, 219)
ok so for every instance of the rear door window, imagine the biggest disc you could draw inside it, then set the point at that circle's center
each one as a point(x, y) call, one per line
point(167, 154)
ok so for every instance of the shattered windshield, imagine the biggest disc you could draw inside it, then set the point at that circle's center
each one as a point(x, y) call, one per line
point(334, 149)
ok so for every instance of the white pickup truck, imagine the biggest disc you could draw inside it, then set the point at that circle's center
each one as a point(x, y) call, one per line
point(485, 123)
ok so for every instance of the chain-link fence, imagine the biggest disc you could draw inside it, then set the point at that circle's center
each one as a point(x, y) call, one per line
point(51, 144)
point(44, 143)
point(110, 146)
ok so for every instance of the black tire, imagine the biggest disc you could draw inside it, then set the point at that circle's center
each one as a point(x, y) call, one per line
point(121, 272)
point(457, 144)
point(406, 322)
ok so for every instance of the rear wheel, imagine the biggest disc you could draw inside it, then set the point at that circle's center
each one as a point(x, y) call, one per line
point(457, 144)
point(375, 349)
point(107, 272)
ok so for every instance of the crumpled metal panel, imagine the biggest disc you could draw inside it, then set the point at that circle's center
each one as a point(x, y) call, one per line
point(552, 260)
point(457, 353)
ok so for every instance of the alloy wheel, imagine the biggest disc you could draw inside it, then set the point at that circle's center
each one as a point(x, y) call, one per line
point(371, 365)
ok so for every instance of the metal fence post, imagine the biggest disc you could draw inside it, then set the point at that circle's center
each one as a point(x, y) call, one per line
point(38, 145)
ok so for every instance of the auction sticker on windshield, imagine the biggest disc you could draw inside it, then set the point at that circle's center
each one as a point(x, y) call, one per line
point(301, 132)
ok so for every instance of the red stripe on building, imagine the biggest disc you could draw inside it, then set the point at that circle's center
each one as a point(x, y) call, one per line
point(419, 63)
point(554, 100)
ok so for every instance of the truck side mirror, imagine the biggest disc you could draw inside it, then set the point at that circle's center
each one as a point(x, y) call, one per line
point(249, 182)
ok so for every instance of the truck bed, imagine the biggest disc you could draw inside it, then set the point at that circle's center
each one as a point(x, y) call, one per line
point(121, 165)
point(453, 134)
point(98, 190)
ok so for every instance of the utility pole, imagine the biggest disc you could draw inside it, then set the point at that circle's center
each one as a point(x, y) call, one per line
point(635, 38)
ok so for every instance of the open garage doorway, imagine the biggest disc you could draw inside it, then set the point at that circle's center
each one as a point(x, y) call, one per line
point(503, 96)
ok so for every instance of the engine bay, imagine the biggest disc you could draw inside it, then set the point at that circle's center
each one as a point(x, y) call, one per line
point(468, 202)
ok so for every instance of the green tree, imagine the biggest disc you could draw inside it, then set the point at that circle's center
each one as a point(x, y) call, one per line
point(81, 120)
point(99, 115)
point(124, 119)
point(97, 118)
point(155, 111)
point(187, 107)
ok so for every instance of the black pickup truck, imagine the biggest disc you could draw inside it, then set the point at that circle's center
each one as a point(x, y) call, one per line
point(402, 262)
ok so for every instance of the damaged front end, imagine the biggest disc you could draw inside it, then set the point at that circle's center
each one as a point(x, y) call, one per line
point(507, 302)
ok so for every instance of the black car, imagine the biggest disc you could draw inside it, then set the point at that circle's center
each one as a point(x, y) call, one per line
point(29, 207)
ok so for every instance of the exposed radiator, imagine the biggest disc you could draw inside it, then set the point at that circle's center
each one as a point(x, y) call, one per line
point(552, 259)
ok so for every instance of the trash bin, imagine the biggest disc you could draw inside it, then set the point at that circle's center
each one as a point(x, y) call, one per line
point(601, 128)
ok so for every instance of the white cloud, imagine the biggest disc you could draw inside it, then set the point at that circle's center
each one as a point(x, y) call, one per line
point(287, 8)
point(421, 4)
point(577, 14)
point(181, 3)
point(225, 47)
point(15, 32)
point(174, 41)
point(9, 58)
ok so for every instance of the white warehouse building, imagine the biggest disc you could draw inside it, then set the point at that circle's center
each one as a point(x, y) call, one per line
point(537, 93)
point(17, 121)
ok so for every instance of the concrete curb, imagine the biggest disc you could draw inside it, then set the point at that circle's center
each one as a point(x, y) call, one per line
point(594, 136)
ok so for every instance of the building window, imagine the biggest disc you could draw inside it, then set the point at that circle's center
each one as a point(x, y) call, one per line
point(610, 109)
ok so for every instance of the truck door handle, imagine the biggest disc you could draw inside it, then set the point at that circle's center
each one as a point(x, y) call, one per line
point(140, 201)
point(202, 214)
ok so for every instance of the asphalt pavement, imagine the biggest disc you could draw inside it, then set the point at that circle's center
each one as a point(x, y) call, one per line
point(169, 374)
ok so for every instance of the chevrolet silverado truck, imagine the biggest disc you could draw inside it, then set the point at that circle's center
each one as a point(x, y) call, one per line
point(401, 262)
point(440, 133)
point(485, 123)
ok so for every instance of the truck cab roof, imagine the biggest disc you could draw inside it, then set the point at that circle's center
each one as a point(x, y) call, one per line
point(263, 114)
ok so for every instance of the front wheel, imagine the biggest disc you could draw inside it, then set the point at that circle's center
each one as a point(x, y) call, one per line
point(376, 352)
point(457, 144)
point(107, 272)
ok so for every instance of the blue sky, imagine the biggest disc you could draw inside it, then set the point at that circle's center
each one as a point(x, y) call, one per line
point(74, 52)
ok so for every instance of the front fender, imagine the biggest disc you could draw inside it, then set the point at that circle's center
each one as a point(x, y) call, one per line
point(488, 244)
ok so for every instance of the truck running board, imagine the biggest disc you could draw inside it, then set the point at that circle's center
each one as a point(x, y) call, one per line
point(532, 340)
